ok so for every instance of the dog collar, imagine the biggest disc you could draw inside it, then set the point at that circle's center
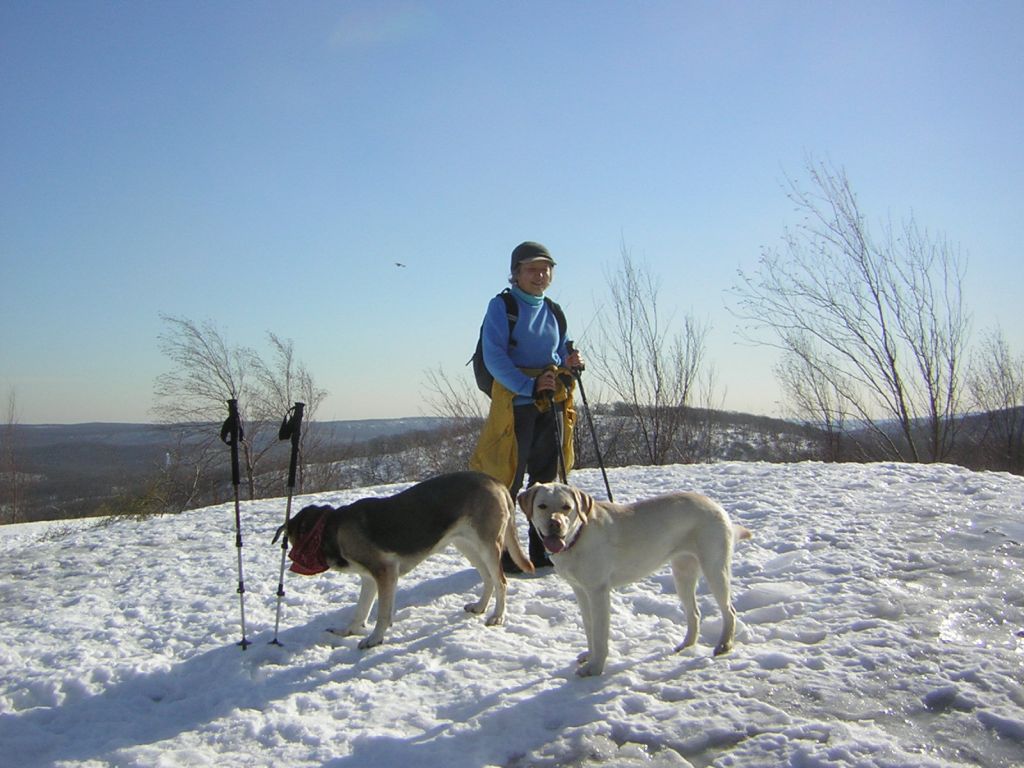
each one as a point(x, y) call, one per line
point(575, 538)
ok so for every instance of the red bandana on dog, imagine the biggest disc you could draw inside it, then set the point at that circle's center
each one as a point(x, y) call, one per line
point(307, 555)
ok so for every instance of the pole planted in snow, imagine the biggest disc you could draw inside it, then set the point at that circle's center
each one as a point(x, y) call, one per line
point(590, 420)
point(291, 428)
point(231, 433)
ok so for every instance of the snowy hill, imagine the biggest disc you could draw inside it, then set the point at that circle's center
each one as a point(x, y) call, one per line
point(881, 612)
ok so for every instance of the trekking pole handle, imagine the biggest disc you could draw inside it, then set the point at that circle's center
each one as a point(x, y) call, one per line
point(545, 394)
point(580, 368)
point(230, 434)
point(291, 428)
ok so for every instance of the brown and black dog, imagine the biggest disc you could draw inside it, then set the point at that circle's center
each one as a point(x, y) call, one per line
point(384, 538)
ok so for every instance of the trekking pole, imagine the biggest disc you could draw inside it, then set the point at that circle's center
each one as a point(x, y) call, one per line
point(231, 434)
point(590, 420)
point(291, 427)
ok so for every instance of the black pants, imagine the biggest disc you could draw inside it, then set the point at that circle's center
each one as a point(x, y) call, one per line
point(538, 450)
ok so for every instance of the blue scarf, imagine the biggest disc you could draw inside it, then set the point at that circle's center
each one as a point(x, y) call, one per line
point(528, 298)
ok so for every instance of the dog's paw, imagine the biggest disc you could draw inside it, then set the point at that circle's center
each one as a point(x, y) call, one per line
point(495, 621)
point(723, 648)
point(370, 642)
point(590, 670)
point(684, 646)
point(358, 629)
point(475, 607)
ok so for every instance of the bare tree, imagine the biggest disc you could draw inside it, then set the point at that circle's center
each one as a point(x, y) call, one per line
point(878, 324)
point(280, 383)
point(996, 384)
point(207, 371)
point(653, 371)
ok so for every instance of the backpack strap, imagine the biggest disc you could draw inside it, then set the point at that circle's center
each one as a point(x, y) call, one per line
point(559, 318)
point(511, 312)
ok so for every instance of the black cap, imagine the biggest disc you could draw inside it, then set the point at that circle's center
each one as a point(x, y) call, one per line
point(530, 251)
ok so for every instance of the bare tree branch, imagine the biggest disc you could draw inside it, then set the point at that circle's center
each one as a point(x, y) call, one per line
point(206, 372)
point(876, 326)
point(653, 371)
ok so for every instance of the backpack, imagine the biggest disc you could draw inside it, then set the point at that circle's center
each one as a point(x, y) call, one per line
point(484, 378)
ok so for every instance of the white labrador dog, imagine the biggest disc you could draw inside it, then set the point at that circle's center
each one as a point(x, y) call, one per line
point(598, 546)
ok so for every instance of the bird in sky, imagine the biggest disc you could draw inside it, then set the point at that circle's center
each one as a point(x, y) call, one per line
point(399, 264)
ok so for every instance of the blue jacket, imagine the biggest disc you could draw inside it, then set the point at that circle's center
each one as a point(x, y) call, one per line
point(537, 344)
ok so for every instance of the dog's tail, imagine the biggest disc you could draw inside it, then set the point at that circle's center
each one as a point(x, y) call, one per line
point(739, 532)
point(515, 549)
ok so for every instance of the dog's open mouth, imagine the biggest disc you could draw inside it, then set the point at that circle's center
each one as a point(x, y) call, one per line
point(553, 544)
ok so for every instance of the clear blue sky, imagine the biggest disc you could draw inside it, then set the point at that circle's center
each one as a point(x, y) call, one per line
point(262, 165)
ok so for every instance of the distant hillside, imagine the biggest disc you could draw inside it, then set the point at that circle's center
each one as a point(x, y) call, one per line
point(79, 470)
point(69, 470)
point(43, 436)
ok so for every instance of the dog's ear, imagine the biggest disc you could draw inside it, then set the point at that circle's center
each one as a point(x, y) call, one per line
point(525, 500)
point(280, 530)
point(584, 503)
point(297, 522)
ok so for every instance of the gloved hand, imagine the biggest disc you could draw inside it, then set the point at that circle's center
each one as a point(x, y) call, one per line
point(545, 383)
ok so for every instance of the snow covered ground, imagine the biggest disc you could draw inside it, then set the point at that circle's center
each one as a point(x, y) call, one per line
point(881, 617)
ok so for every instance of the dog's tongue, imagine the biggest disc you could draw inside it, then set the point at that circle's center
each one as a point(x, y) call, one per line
point(553, 544)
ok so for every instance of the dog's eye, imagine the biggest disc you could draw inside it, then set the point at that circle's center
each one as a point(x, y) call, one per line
point(567, 507)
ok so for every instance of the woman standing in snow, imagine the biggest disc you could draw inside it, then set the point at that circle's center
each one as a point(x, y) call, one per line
point(531, 363)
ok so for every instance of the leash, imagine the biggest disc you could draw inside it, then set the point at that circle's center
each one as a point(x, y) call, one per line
point(231, 434)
